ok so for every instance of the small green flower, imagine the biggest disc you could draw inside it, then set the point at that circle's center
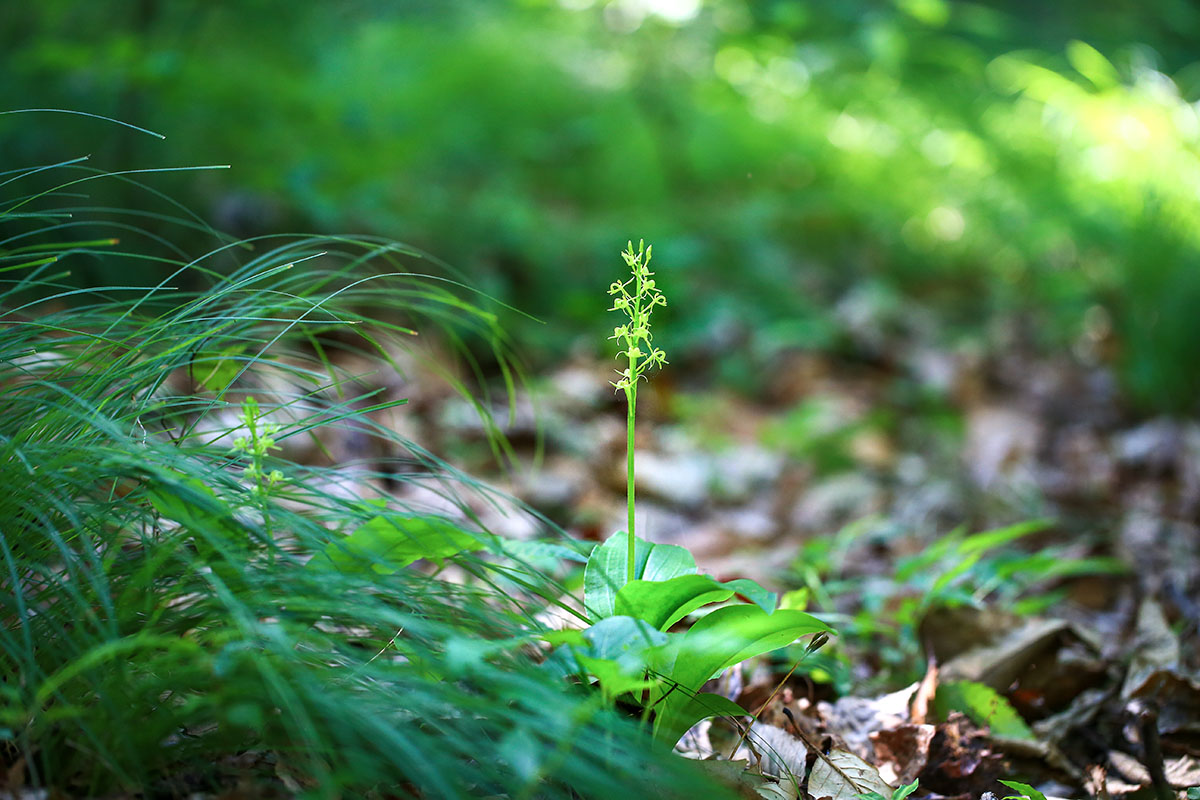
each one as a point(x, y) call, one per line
point(637, 347)
point(258, 444)
point(638, 306)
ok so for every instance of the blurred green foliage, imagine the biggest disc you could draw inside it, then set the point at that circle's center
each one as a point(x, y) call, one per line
point(981, 159)
point(880, 615)
point(820, 431)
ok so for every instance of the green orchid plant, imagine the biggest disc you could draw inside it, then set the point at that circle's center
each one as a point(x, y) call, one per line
point(636, 298)
point(635, 591)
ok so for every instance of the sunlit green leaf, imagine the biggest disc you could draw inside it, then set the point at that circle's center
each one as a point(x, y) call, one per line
point(607, 570)
point(680, 715)
point(1025, 789)
point(215, 371)
point(663, 603)
point(392, 541)
point(984, 706)
point(719, 640)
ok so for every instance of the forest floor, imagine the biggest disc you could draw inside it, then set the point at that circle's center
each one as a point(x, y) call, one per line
point(858, 488)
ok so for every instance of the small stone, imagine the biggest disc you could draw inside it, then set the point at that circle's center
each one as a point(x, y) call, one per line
point(933, 505)
point(579, 389)
point(655, 523)
point(739, 472)
point(747, 524)
point(598, 442)
point(681, 480)
point(829, 505)
point(544, 489)
point(554, 487)
point(1154, 445)
point(1001, 445)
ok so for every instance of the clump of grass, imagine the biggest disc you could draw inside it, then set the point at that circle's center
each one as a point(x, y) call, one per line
point(164, 625)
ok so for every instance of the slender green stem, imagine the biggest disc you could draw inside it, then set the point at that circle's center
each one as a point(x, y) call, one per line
point(630, 425)
point(631, 397)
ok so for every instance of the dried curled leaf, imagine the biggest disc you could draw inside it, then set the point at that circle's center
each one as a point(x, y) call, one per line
point(844, 776)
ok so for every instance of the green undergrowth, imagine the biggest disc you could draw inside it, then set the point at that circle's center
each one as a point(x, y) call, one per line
point(191, 596)
point(880, 615)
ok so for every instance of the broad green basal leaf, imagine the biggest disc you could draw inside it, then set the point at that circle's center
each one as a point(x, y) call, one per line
point(614, 650)
point(663, 603)
point(619, 636)
point(192, 504)
point(721, 639)
point(607, 570)
point(614, 679)
point(541, 552)
point(755, 593)
point(730, 635)
point(619, 639)
point(689, 709)
point(392, 541)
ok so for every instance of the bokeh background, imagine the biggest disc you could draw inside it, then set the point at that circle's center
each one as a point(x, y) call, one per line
point(814, 176)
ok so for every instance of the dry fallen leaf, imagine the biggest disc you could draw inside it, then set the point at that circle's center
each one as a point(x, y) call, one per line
point(855, 718)
point(1042, 664)
point(747, 783)
point(1081, 713)
point(1002, 445)
point(1099, 784)
point(783, 755)
point(1177, 699)
point(1129, 768)
point(902, 752)
point(926, 689)
point(843, 776)
point(1183, 772)
point(1155, 648)
point(960, 759)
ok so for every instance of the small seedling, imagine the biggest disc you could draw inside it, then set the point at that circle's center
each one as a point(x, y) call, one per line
point(899, 794)
point(1027, 792)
